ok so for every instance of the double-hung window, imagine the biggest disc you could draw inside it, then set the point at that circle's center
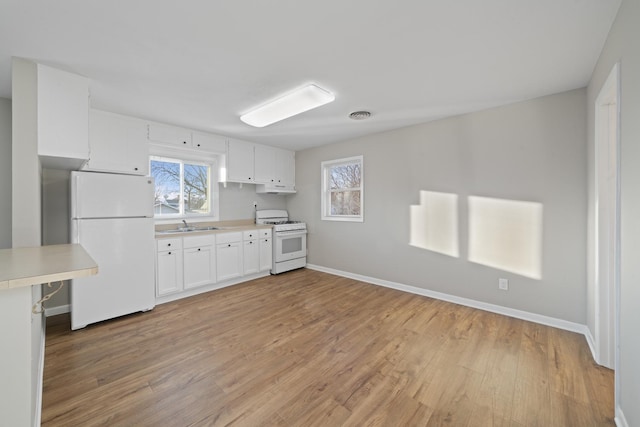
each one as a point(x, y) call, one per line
point(183, 188)
point(343, 189)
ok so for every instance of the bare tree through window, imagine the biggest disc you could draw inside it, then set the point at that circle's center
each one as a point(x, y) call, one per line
point(181, 187)
point(343, 189)
point(344, 183)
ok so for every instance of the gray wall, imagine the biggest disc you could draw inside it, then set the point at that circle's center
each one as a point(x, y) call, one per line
point(622, 46)
point(237, 203)
point(5, 173)
point(531, 151)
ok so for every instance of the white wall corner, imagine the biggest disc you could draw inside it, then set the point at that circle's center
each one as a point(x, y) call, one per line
point(592, 344)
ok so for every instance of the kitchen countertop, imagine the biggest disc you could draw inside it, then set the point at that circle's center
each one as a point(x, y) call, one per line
point(44, 264)
point(222, 227)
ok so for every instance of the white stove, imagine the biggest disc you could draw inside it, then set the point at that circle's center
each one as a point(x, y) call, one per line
point(289, 240)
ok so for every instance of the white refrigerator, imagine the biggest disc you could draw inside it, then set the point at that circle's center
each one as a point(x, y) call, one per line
point(112, 218)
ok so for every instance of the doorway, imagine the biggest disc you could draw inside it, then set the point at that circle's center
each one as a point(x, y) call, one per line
point(607, 219)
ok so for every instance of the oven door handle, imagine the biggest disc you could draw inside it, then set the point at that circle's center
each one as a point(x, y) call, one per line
point(290, 232)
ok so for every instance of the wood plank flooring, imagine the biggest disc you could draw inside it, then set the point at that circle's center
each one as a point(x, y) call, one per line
point(310, 349)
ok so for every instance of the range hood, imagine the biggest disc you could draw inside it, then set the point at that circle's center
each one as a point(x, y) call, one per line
point(275, 189)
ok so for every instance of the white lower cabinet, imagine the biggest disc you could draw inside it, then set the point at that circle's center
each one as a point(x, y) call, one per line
point(266, 254)
point(266, 249)
point(169, 266)
point(184, 263)
point(199, 261)
point(251, 251)
point(251, 257)
point(229, 255)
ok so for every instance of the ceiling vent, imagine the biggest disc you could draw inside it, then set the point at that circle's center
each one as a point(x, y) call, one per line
point(360, 115)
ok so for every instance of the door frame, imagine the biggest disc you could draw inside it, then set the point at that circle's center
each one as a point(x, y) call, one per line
point(607, 294)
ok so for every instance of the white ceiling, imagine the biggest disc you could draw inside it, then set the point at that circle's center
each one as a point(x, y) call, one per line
point(202, 63)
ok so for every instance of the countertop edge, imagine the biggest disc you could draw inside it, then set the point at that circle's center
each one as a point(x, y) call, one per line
point(22, 267)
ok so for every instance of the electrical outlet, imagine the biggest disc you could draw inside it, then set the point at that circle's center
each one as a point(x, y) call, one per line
point(503, 284)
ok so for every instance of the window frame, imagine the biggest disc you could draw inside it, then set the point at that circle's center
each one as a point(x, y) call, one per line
point(207, 159)
point(326, 191)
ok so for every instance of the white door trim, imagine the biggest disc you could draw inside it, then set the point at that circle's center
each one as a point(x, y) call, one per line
point(607, 256)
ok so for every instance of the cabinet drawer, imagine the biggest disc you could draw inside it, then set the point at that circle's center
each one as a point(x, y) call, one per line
point(169, 244)
point(229, 237)
point(199, 241)
point(251, 234)
point(264, 233)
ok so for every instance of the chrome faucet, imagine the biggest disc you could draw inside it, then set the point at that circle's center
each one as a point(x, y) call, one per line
point(185, 223)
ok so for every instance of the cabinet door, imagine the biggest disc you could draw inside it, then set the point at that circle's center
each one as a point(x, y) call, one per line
point(240, 157)
point(118, 144)
point(266, 254)
point(199, 267)
point(168, 272)
point(265, 159)
point(285, 166)
point(229, 260)
point(251, 257)
point(169, 135)
point(208, 142)
point(63, 114)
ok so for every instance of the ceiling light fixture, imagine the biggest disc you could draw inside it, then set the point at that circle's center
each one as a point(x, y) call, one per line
point(299, 101)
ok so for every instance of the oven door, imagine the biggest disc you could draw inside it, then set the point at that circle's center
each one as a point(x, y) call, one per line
point(290, 245)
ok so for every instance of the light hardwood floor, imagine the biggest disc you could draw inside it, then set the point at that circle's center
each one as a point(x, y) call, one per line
point(308, 348)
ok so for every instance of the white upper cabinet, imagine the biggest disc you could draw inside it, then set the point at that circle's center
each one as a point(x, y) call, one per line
point(63, 118)
point(275, 168)
point(208, 142)
point(180, 137)
point(265, 161)
point(240, 157)
point(169, 135)
point(117, 144)
point(285, 165)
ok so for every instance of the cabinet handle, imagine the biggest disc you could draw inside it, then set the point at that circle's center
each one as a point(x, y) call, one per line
point(169, 253)
point(229, 245)
point(168, 244)
point(135, 169)
point(198, 145)
point(198, 249)
point(184, 142)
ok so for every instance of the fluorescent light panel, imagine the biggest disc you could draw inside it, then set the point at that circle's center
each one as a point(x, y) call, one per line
point(304, 99)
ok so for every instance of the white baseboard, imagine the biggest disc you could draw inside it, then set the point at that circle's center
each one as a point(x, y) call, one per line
point(620, 420)
point(591, 342)
point(59, 309)
point(511, 312)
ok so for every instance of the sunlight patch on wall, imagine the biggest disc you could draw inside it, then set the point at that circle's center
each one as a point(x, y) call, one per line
point(506, 234)
point(434, 223)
